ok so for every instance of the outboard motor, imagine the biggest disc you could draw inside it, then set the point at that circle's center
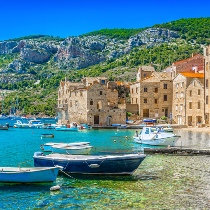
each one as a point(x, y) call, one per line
point(7, 124)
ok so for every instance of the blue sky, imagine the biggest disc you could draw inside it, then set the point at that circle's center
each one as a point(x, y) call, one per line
point(72, 18)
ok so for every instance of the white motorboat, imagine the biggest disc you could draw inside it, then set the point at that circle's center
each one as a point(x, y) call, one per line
point(72, 150)
point(30, 124)
point(47, 147)
point(30, 174)
point(156, 138)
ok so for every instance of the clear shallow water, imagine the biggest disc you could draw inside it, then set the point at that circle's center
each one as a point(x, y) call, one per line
point(161, 181)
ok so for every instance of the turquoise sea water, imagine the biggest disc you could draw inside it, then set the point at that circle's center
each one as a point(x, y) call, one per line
point(161, 181)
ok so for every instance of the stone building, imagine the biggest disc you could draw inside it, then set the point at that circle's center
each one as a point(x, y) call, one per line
point(188, 99)
point(153, 94)
point(206, 83)
point(193, 64)
point(93, 101)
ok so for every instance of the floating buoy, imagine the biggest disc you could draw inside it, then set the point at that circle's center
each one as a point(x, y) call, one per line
point(114, 140)
point(55, 188)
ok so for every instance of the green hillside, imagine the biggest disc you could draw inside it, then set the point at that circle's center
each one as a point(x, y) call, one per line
point(41, 97)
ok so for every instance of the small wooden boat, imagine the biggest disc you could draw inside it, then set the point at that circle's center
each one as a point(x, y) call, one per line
point(4, 127)
point(32, 174)
point(72, 150)
point(47, 135)
point(91, 164)
point(48, 146)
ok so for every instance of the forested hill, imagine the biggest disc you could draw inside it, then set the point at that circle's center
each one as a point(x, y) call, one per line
point(34, 65)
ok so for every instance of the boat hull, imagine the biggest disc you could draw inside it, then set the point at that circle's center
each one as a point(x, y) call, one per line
point(168, 141)
point(87, 164)
point(28, 175)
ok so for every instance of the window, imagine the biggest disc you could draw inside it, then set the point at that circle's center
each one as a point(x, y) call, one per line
point(190, 105)
point(182, 95)
point(156, 90)
point(207, 83)
point(132, 90)
point(190, 92)
point(176, 107)
point(207, 99)
point(136, 100)
point(165, 97)
point(145, 89)
point(145, 75)
point(101, 92)
point(91, 102)
point(136, 90)
point(70, 104)
point(199, 91)
point(199, 105)
point(164, 86)
point(145, 100)
point(176, 95)
point(76, 103)
point(155, 101)
point(181, 107)
point(81, 93)
point(103, 81)
point(177, 85)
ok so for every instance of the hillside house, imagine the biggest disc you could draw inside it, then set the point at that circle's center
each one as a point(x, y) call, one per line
point(193, 64)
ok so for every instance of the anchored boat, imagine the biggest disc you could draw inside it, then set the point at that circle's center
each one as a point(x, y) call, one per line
point(156, 138)
point(32, 174)
point(91, 164)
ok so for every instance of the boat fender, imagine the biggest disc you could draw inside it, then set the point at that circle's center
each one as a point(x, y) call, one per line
point(55, 188)
point(93, 165)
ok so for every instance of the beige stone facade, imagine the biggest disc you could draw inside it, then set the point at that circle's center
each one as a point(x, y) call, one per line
point(188, 99)
point(93, 101)
point(206, 84)
point(153, 94)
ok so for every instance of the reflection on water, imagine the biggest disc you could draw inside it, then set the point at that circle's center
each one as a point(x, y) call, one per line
point(193, 139)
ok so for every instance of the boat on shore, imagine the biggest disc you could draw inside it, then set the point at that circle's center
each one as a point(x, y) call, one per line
point(29, 175)
point(72, 150)
point(47, 147)
point(156, 138)
point(91, 164)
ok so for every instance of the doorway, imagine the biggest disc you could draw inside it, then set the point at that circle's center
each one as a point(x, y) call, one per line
point(96, 120)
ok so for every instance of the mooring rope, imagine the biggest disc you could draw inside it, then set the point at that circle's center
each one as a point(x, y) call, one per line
point(65, 172)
